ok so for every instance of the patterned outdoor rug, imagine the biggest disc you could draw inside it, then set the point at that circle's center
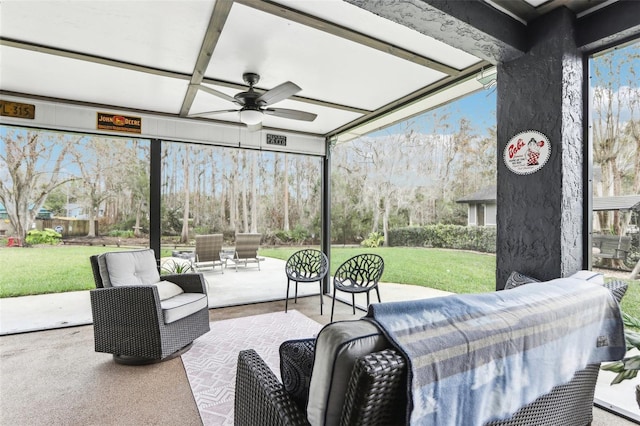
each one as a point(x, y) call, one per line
point(211, 362)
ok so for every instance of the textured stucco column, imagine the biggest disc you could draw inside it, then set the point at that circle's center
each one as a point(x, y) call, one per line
point(540, 215)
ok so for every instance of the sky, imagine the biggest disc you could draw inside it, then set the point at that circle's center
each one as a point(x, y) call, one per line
point(480, 107)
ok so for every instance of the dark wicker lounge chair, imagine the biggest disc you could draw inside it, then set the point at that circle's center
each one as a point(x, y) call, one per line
point(131, 321)
point(376, 392)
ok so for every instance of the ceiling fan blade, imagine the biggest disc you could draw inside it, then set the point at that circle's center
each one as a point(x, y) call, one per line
point(221, 95)
point(291, 113)
point(208, 113)
point(278, 93)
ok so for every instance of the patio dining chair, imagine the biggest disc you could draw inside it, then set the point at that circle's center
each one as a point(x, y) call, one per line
point(306, 266)
point(359, 274)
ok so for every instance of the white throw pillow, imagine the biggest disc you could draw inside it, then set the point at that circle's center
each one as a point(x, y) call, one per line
point(135, 267)
point(167, 290)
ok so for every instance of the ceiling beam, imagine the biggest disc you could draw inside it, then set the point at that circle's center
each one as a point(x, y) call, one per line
point(91, 58)
point(522, 11)
point(472, 26)
point(607, 26)
point(449, 81)
point(347, 34)
point(212, 35)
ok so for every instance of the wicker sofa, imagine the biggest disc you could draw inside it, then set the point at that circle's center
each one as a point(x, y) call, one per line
point(375, 391)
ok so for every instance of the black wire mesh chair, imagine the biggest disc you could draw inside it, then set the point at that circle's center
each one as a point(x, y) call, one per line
point(306, 266)
point(360, 274)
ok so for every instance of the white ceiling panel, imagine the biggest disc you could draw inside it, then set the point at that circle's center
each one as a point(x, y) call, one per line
point(355, 18)
point(161, 34)
point(357, 70)
point(347, 73)
point(25, 71)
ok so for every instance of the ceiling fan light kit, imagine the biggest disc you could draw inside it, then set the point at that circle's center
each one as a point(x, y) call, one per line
point(254, 105)
point(251, 117)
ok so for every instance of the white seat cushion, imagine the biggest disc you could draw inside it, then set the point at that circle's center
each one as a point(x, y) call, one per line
point(182, 305)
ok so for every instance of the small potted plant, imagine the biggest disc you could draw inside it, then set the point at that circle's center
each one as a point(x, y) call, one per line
point(629, 366)
point(173, 267)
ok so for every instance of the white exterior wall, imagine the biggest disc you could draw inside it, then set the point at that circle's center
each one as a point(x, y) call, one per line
point(61, 116)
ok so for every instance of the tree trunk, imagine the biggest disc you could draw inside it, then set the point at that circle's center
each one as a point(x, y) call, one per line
point(184, 235)
point(136, 228)
point(233, 196)
point(254, 194)
point(245, 213)
point(285, 193)
point(385, 219)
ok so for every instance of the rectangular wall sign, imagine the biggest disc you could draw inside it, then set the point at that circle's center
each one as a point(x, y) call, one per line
point(17, 109)
point(276, 140)
point(119, 123)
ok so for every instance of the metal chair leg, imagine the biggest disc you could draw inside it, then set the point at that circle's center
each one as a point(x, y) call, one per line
point(378, 293)
point(321, 298)
point(333, 304)
point(353, 302)
point(286, 300)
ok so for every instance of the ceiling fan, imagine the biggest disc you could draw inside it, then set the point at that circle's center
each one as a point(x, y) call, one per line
point(253, 105)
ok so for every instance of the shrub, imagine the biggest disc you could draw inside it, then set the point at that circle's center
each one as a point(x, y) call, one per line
point(634, 252)
point(374, 240)
point(477, 238)
point(121, 234)
point(299, 235)
point(47, 236)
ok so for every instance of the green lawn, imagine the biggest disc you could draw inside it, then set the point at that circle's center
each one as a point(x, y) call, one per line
point(449, 270)
point(39, 270)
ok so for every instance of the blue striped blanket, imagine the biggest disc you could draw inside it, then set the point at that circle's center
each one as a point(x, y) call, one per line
point(477, 358)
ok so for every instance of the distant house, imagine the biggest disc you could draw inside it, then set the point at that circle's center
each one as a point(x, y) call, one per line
point(481, 207)
point(76, 211)
point(625, 204)
point(5, 225)
point(42, 213)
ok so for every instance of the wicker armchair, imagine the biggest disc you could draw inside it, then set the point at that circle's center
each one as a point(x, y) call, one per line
point(131, 321)
point(376, 392)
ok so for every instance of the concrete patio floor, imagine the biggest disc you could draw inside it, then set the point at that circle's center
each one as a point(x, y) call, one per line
point(246, 286)
point(250, 286)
